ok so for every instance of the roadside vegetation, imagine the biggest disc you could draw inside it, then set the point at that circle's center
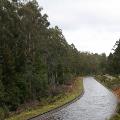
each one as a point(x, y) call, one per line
point(71, 92)
point(111, 82)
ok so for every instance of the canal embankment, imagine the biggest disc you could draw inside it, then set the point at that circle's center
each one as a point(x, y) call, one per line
point(72, 92)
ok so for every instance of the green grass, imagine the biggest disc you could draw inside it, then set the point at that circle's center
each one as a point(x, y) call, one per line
point(109, 81)
point(59, 101)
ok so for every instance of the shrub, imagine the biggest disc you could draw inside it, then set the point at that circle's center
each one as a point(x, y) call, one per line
point(2, 113)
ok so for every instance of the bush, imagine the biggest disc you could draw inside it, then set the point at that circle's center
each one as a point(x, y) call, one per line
point(2, 113)
point(6, 111)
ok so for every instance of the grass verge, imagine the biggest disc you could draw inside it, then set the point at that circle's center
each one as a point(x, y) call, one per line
point(59, 100)
point(111, 83)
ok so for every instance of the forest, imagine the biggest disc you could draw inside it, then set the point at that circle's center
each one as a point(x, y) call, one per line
point(35, 57)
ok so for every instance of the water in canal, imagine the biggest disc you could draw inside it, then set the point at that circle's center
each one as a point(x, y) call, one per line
point(97, 103)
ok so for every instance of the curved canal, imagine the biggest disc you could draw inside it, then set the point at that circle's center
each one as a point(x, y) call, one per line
point(97, 103)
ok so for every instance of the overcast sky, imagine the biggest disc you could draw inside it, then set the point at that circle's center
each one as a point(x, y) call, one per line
point(91, 25)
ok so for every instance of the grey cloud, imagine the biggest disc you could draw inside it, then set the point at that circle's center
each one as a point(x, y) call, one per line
point(98, 20)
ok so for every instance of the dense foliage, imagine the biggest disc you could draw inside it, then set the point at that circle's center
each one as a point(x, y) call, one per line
point(35, 58)
point(113, 62)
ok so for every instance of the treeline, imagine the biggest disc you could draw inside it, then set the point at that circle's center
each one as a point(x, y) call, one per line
point(113, 62)
point(34, 57)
